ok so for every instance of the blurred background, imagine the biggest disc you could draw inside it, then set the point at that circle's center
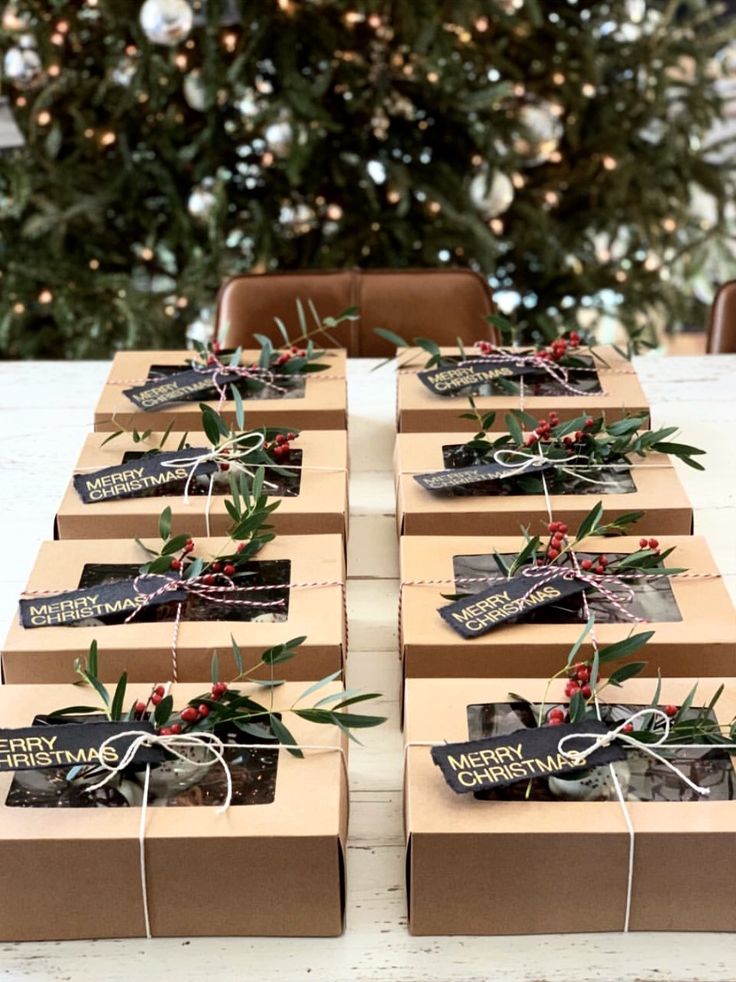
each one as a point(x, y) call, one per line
point(578, 154)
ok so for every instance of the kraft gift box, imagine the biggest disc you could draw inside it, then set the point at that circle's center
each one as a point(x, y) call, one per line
point(651, 485)
point(545, 865)
point(274, 865)
point(320, 404)
point(420, 410)
point(692, 615)
point(149, 649)
point(316, 502)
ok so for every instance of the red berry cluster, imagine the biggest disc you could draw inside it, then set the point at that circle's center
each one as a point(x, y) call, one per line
point(652, 544)
point(281, 446)
point(596, 566)
point(557, 531)
point(543, 431)
point(578, 681)
point(193, 714)
point(177, 564)
point(559, 347)
point(216, 569)
point(485, 347)
point(293, 352)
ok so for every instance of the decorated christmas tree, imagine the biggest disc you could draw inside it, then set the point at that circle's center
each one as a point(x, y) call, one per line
point(554, 146)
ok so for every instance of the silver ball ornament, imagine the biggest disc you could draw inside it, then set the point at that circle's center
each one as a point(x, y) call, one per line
point(279, 137)
point(540, 133)
point(166, 21)
point(201, 204)
point(195, 91)
point(494, 197)
point(22, 67)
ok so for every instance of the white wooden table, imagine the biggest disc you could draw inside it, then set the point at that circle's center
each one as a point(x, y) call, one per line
point(47, 410)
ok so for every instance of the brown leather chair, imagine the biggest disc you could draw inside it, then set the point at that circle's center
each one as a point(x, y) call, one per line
point(441, 304)
point(722, 325)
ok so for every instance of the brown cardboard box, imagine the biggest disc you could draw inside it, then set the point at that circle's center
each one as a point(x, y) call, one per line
point(144, 650)
point(322, 407)
point(72, 873)
point(538, 867)
point(659, 494)
point(320, 506)
point(422, 411)
point(702, 643)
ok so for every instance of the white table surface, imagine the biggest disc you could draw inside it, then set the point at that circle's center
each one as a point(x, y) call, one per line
point(46, 411)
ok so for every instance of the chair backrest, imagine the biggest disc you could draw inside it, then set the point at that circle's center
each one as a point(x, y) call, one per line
point(722, 326)
point(438, 304)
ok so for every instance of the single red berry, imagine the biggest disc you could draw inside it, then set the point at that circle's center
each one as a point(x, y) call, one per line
point(670, 710)
point(203, 709)
point(602, 561)
point(627, 728)
point(586, 564)
point(588, 422)
point(531, 439)
point(553, 553)
point(586, 690)
point(176, 563)
point(165, 731)
point(140, 708)
point(280, 438)
point(175, 727)
point(556, 713)
point(555, 720)
point(189, 715)
point(160, 690)
point(561, 527)
point(217, 567)
point(552, 527)
point(208, 579)
point(291, 436)
point(653, 544)
point(600, 570)
point(189, 546)
point(229, 569)
point(294, 349)
point(583, 674)
point(156, 698)
point(224, 467)
point(241, 546)
point(557, 540)
point(643, 543)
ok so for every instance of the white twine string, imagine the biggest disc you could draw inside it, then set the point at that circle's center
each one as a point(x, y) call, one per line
point(202, 740)
point(600, 740)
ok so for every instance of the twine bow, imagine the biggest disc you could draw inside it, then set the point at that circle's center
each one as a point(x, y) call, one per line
point(531, 461)
point(619, 733)
point(601, 583)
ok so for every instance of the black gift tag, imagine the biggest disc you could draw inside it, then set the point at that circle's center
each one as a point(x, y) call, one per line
point(464, 477)
point(71, 745)
point(449, 381)
point(178, 388)
point(485, 765)
point(478, 614)
point(123, 596)
point(136, 479)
